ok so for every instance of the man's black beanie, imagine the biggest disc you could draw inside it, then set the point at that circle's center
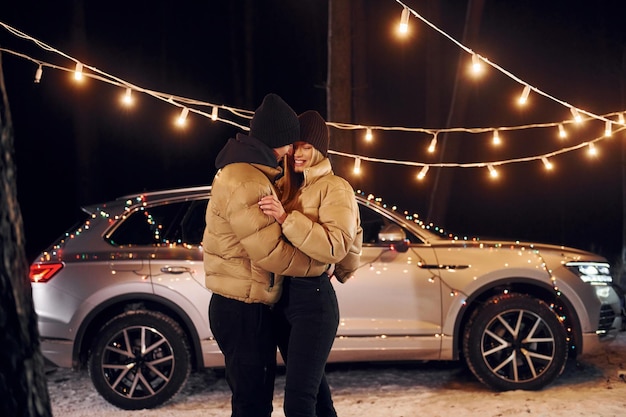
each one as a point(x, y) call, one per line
point(275, 123)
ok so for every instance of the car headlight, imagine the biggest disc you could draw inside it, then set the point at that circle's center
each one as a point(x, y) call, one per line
point(592, 272)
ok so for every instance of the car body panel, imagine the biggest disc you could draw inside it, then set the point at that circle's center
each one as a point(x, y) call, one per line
point(410, 298)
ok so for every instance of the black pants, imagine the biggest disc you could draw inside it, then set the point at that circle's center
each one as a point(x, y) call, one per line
point(306, 320)
point(244, 333)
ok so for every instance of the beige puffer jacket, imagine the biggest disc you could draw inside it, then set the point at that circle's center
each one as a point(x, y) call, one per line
point(241, 244)
point(324, 220)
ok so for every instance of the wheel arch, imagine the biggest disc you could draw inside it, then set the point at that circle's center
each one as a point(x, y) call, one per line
point(98, 316)
point(554, 298)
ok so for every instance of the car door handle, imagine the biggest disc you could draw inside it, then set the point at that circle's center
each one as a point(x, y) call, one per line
point(176, 270)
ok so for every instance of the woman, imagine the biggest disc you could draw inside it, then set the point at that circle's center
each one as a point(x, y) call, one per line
point(318, 215)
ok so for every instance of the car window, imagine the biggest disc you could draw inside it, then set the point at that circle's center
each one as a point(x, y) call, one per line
point(372, 223)
point(166, 224)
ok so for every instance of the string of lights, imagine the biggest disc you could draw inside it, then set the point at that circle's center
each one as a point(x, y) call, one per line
point(224, 113)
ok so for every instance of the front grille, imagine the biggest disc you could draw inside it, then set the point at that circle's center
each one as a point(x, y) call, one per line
point(607, 317)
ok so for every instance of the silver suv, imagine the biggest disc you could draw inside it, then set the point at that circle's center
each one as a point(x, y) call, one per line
point(123, 294)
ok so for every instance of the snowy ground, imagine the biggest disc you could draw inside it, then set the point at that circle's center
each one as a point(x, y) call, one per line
point(590, 387)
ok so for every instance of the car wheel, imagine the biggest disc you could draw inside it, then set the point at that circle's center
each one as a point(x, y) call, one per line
point(515, 342)
point(139, 359)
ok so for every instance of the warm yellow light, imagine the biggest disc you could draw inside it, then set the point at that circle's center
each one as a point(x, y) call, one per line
point(524, 97)
point(422, 173)
point(492, 171)
point(433, 145)
point(403, 28)
point(546, 163)
point(562, 132)
point(357, 166)
point(368, 134)
point(78, 72)
point(127, 98)
point(214, 113)
point(592, 151)
point(608, 128)
point(182, 119)
point(576, 115)
point(496, 138)
point(620, 118)
point(477, 66)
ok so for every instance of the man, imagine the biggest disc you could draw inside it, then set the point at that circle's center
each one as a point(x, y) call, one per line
point(241, 244)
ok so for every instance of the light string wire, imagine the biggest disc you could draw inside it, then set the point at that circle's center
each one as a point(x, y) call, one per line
point(499, 68)
point(185, 103)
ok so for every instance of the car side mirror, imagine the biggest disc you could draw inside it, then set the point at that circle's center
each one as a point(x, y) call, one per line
point(395, 236)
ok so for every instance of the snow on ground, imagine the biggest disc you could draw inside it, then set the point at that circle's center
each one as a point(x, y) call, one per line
point(590, 387)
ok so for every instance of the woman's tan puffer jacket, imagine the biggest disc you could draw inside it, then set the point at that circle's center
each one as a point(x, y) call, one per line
point(324, 220)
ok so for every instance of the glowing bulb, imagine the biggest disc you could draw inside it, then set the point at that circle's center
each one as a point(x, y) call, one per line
point(592, 151)
point(524, 97)
point(496, 138)
point(78, 72)
point(357, 166)
point(404, 22)
point(214, 113)
point(422, 172)
point(433, 145)
point(492, 171)
point(182, 119)
point(546, 163)
point(477, 66)
point(575, 114)
point(620, 118)
point(368, 134)
point(608, 130)
point(127, 99)
point(562, 132)
point(38, 74)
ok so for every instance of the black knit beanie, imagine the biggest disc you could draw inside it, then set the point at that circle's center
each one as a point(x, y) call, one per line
point(275, 123)
point(313, 129)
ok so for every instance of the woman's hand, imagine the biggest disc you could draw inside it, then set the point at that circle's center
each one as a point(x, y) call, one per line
point(272, 207)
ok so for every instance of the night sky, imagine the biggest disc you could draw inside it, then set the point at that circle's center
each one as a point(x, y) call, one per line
point(76, 145)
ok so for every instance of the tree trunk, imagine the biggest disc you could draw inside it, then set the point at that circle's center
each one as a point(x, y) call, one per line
point(23, 387)
point(339, 80)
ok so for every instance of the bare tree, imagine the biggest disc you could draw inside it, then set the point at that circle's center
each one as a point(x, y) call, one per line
point(23, 387)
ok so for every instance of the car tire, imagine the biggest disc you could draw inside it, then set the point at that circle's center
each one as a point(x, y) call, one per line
point(139, 359)
point(515, 342)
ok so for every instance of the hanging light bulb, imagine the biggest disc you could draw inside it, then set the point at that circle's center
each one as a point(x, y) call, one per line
point(78, 72)
point(591, 150)
point(496, 138)
point(562, 132)
point(546, 163)
point(127, 98)
point(608, 128)
point(492, 171)
point(214, 113)
point(422, 173)
point(524, 97)
point(182, 119)
point(433, 145)
point(357, 166)
point(575, 114)
point(368, 134)
point(404, 21)
point(38, 74)
point(477, 66)
point(620, 118)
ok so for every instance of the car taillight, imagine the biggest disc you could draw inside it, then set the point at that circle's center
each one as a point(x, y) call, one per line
point(44, 272)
